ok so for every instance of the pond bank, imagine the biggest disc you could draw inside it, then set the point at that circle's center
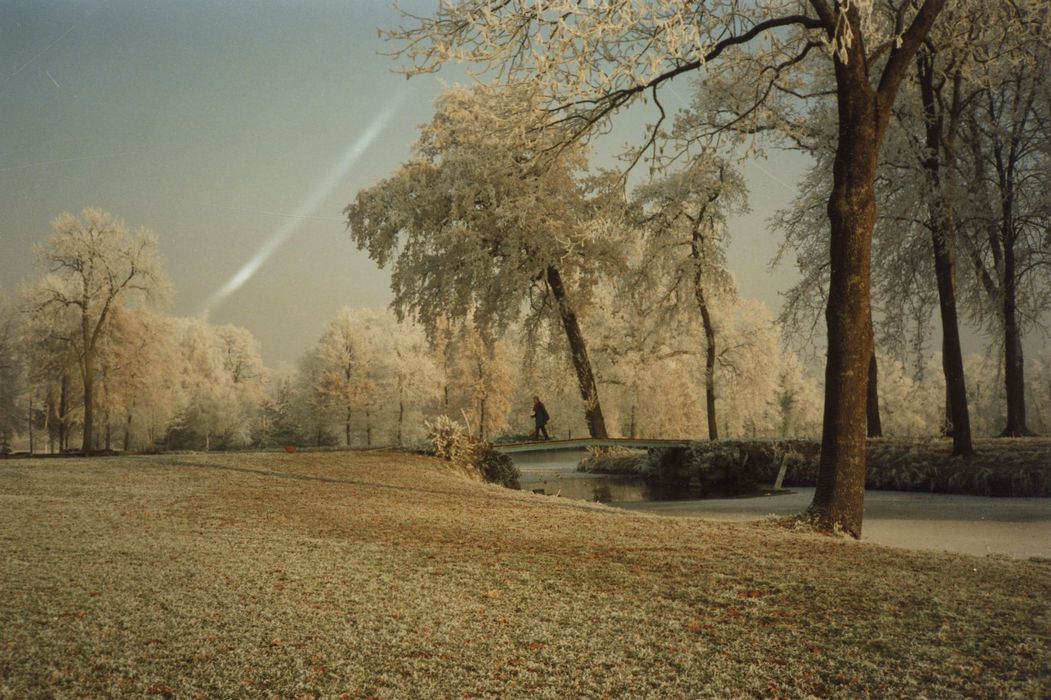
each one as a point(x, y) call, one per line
point(1017, 527)
point(979, 525)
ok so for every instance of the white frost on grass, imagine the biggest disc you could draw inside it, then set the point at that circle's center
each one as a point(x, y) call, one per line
point(385, 575)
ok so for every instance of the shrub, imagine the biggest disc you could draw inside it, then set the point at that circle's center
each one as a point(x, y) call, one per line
point(614, 460)
point(452, 443)
point(1002, 467)
point(734, 466)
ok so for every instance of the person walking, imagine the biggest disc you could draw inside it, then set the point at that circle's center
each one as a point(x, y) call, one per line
point(541, 417)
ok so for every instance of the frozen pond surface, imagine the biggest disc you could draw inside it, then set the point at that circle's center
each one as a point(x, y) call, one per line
point(1017, 527)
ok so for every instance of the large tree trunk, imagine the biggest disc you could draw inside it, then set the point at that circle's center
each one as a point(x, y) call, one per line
point(943, 240)
point(63, 412)
point(709, 372)
point(840, 493)
point(88, 375)
point(578, 349)
point(401, 419)
point(873, 422)
point(709, 356)
point(632, 427)
point(697, 253)
point(863, 114)
point(1014, 368)
point(30, 425)
point(127, 432)
point(957, 411)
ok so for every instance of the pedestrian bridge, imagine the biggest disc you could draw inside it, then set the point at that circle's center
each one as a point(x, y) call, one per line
point(584, 443)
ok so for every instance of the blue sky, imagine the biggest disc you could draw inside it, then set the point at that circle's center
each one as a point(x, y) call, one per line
point(238, 131)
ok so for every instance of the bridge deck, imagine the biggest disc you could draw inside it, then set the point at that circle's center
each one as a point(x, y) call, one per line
point(583, 443)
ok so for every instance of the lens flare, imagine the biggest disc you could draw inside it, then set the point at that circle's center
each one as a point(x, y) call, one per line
point(323, 190)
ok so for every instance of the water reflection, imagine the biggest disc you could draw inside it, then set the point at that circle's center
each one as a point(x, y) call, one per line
point(1019, 527)
point(588, 487)
point(555, 473)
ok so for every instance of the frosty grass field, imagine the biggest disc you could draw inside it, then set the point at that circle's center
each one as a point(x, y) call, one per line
point(378, 574)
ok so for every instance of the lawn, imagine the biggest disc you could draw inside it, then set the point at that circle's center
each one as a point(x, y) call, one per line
point(377, 574)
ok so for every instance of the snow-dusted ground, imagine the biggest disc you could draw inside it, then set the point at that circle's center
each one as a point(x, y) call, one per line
point(1017, 527)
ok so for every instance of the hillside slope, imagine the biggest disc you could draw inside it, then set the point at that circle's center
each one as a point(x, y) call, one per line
point(386, 575)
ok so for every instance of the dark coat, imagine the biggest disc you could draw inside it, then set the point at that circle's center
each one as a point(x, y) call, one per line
point(540, 414)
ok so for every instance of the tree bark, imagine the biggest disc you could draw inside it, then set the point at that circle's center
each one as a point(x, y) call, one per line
point(709, 352)
point(873, 422)
point(579, 351)
point(943, 240)
point(88, 376)
point(401, 419)
point(840, 493)
point(31, 445)
point(957, 411)
point(863, 114)
point(709, 373)
point(697, 253)
point(839, 496)
point(634, 405)
point(1014, 369)
point(63, 414)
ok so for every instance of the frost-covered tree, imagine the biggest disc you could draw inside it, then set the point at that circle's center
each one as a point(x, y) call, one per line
point(312, 400)
point(592, 60)
point(51, 368)
point(910, 407)
point(798, 399)
point(244, 366)
point(1040, 393)
point(139, 395)
point(647, 337)
point(749, 369)
point(1007, 171)
point(92, 265)
point(11, 374)
point(212, 413)
point(348, 359)
point(478, 230)
point(280, 419)
point(370, 373)
point(931, 186)
point(684, 218)
point(479, 382)
point(411, 377)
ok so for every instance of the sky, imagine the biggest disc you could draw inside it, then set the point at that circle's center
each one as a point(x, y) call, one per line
point(237, 131)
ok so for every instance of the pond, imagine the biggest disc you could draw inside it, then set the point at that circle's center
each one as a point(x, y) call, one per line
point(1017, 527)
point(555, 474)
